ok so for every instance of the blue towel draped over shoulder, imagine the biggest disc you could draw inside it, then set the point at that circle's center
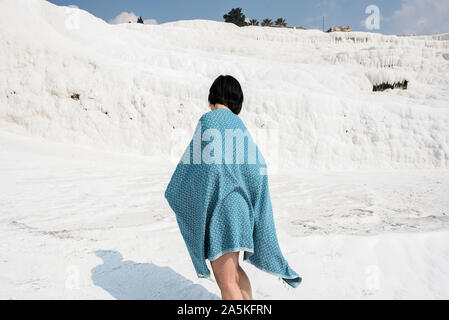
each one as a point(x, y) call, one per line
point(219, 194)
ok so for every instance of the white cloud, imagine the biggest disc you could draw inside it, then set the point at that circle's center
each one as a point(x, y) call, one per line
point(126, 17)
point(420, 17)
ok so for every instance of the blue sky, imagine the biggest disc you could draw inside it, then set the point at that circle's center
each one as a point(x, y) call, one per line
point(397, 16)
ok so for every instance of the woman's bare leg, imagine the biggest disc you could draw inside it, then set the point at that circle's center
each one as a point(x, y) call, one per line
point(244, 284)
point(231, 279)
point(227, 276)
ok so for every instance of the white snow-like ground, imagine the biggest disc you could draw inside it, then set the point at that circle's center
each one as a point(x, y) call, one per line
point(78, 223)
point(360, 180)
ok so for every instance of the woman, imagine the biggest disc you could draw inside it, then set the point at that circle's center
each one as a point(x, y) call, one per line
point(219, 193)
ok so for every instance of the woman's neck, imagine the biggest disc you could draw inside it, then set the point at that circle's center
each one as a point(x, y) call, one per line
point(218, 106)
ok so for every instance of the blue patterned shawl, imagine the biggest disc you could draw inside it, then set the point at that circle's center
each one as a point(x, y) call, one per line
point(221, 202)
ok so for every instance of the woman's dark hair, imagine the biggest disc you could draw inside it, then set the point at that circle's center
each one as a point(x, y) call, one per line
point(226, 90)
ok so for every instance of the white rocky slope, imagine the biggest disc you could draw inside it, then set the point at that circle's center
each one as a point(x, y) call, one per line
point(140, 87)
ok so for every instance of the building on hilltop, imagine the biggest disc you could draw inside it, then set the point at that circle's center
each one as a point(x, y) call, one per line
point(340, 29)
